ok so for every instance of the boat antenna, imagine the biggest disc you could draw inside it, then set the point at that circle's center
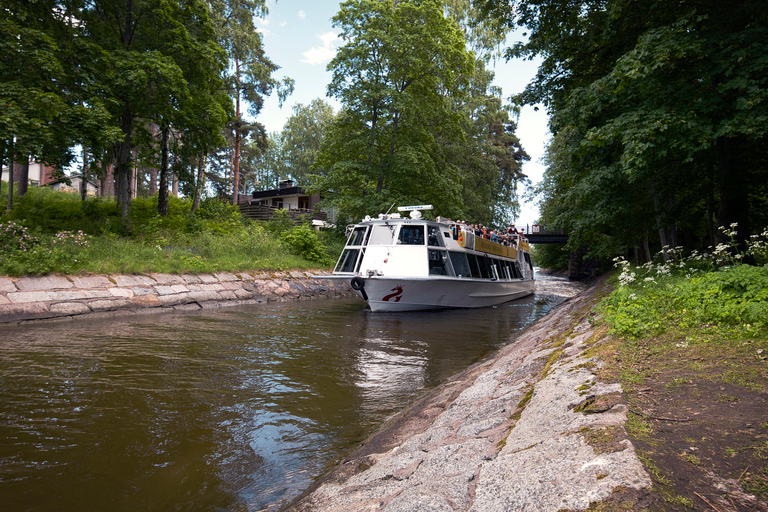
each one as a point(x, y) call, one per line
point(390, 209)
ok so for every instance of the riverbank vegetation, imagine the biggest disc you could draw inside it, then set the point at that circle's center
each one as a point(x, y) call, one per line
point(49, 231)
point(659, 120)
point(143, 97)
point(690, 346)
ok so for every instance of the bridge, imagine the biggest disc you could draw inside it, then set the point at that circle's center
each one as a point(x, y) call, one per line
point(547, 238)
point(579, 266)
point(540, 234)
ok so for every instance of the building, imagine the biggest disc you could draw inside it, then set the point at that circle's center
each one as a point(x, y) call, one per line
point(261, 205)
point(39, 174)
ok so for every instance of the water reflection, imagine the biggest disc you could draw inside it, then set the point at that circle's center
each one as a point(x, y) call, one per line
point(232, 409)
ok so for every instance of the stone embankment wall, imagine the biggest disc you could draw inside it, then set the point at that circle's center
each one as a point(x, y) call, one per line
point(45, 297)
point(531, 429)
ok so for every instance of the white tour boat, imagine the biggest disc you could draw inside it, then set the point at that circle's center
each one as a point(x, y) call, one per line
point(406, 264)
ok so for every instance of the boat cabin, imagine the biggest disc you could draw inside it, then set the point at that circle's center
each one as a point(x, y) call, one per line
point(392, 246)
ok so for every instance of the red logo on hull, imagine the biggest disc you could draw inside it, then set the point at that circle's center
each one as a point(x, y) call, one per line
point(397, 295)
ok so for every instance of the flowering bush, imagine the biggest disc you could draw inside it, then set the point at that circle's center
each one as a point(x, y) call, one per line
point(23, 253)
point(711, 288)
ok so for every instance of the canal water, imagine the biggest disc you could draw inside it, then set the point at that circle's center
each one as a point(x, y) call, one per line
point(228, 409)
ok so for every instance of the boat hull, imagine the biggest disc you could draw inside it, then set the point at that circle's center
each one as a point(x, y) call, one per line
point(415, 294)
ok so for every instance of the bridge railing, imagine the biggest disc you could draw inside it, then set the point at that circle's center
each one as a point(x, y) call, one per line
point(543, 229)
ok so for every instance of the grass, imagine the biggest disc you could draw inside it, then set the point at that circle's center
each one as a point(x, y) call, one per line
point(55, 232)
point(688, 341)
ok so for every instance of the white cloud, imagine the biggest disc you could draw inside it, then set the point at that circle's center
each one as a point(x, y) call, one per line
point(302, 14)
point(322, 54)
point(262, 26)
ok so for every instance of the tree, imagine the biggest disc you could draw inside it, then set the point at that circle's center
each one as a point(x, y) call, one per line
point(302, 137)
point(660, 115)
point(48, 103)
point(400, 63)
point(250, 78)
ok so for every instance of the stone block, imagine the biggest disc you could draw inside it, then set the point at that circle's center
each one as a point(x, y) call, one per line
point(164, 290)
point(243, 294)
point(204, 296)
point(207, 278)
point(172, 300)
point(27, 311)
point(69, 308)
point(227, 295)
point(225, 276)
point(42, 283)
point(167, 278)
point(68, 295)
point(179, 288)
point(190, 279)
point(128, 281)
point(88, 282)
point(146, 301)
point(121, 292)
point(26, 297)
point(6, 285)
point(109, 305)
point(139, 290)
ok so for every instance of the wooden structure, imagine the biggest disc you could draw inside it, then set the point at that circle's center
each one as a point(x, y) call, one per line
point(263, 204)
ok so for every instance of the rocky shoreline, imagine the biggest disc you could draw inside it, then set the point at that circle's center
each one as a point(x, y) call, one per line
point(57, 296)
point(529, 429)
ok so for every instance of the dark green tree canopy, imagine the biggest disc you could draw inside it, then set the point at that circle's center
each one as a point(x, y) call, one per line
point(659, 114)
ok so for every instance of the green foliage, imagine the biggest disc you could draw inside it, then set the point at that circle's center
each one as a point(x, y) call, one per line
point(652, 299)
point(280, 222)
point(50, 211)
point(551, 256)
point(22, 252)
point(303, 241)
point(659, 116)
point(399, 65)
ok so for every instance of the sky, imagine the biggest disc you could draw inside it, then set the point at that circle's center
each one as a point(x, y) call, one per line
point(299, 37)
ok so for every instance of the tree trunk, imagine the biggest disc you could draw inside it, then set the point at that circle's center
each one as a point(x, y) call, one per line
point(236, 158)
point(153, 170)
point(10, 179)
point(200, 181)
point(23, 177)
point(84, 177)
point(660, 224)
point(124, 167)
point(162, 198)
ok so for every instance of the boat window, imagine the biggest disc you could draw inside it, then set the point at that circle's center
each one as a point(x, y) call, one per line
point(460, 264)
point(516, 270)
point(358, 236)
point(485, 267)
point(473, 265)
point(382, 234)
point(348, 260)
point(528, 260)
point(433, 236)
point(438, 263)
point(411, 235)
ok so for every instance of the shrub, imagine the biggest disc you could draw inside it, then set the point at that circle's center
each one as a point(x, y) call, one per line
point(24, 253)
point(303, 241)
point(703, 289)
